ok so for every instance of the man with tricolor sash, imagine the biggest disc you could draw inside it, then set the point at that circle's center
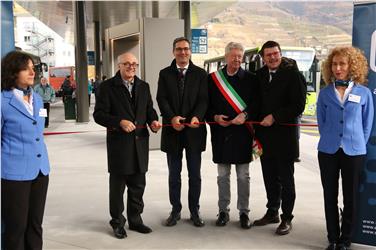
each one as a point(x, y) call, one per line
point(282, 94)
point(231, 99)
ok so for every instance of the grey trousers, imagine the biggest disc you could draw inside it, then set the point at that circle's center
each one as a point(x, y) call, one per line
point(224, 190)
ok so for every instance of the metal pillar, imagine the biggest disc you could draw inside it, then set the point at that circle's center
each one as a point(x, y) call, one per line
point(185, 13)
point(97, 48)
point(82, 97)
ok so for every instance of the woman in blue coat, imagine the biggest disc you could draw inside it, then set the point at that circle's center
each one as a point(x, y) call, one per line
point(345, 115)
point(24, 160)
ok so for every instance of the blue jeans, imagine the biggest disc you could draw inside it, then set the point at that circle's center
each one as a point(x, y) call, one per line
point(174, 162)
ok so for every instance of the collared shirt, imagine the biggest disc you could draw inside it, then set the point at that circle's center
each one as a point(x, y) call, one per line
point(185, 68)
point(233, 73)
point(342, 101)
point(129, 85)
point(347, 92)
point(28, 105)
point(270, 74)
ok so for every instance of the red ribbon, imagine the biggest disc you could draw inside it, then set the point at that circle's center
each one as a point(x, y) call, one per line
point(184, 124)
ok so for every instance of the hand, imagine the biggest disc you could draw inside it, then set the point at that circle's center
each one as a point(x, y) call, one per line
point(221, 121)
point(239, 119)
point(155, 126)
point(267, 121)
point(195, 123)
point(175, 121)
point(127, 126)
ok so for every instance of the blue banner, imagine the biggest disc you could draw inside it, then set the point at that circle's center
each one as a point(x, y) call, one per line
point(364, 37)
point(7, 27)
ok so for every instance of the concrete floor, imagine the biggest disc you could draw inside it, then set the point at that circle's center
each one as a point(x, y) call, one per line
point(77, 216)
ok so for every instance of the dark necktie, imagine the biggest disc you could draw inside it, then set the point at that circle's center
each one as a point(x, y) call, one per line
point(181, 83)
point(272, 75)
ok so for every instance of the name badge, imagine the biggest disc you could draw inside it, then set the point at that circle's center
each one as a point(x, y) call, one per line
point(43, 112)
point(354, 98)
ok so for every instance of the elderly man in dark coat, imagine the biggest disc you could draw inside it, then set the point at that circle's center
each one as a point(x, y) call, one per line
point(231, 103)
point(124, 106)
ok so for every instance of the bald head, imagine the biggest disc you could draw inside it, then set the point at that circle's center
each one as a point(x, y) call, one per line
point(127, 64)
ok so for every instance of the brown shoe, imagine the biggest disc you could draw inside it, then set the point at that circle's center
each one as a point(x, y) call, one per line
point(284, 228)
point(267, 219)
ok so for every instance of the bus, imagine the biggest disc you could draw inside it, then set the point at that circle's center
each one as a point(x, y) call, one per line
point(305, 58)
point(57, 76)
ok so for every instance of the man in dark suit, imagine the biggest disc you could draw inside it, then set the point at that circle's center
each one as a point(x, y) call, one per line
point(282, 91)
point(124, 106)
point(183, 99)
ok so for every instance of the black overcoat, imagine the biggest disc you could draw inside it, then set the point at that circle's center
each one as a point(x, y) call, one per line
point(127, 153)
point(232, 144)
point(194, 103)
point(284, 97)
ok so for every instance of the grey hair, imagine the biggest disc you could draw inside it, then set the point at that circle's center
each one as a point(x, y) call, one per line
point(233, 45)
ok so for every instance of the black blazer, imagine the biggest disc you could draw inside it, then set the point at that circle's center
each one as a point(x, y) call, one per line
point(284, 97)
point(127, 153)
point(232, 144)
point(195, 102)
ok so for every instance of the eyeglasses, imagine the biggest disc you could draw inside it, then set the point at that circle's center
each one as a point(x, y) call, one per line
point(185, 49)
point(129, 65)
point(275, 54)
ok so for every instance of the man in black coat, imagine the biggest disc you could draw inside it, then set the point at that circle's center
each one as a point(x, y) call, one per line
point(124, 106)
point(183, 98)
point(282, 91)
point(231, 138)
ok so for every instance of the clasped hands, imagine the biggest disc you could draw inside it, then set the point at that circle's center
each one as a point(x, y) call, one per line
point(129, 126)
point(224, 122)
point(177, 121)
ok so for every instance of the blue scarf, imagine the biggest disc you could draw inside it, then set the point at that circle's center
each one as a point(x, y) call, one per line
point(341, 83)
point(26, 91)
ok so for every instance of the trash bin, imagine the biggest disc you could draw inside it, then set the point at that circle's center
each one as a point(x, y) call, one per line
point(69, 107)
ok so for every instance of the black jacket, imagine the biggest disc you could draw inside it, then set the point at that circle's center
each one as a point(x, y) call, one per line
point(195, 102)
point(284, 97)
point(127, 153)
point(232, 144)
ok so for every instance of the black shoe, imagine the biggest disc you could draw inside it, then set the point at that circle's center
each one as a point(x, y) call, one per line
point(197, 220)
point(284, 228)
point(332, 246)
point(172, 219)
point(342, 246)
point(141, 228)
point(268, 218)
point(120, 232)
point(297, 160)
point(223, 218)
point(244, 221)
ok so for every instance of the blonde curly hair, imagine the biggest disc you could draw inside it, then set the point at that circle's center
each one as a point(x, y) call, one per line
point(357, 63)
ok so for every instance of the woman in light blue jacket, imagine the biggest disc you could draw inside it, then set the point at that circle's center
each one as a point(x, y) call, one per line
point(24, 160)
point(345, 116)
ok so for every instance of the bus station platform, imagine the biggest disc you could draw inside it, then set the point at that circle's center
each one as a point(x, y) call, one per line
point(77, 214)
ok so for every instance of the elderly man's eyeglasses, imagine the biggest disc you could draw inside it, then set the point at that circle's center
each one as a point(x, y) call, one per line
point(185, 49)
point(129, 65)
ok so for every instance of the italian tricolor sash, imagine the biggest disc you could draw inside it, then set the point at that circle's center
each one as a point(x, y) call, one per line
point(237, 103)
point(228, 91)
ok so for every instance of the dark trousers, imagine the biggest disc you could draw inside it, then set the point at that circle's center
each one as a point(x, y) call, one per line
point(22, 209)
point(135, 184)
point(331, 165)
point(279, 184)
point(174, 162)
point(46, 105)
